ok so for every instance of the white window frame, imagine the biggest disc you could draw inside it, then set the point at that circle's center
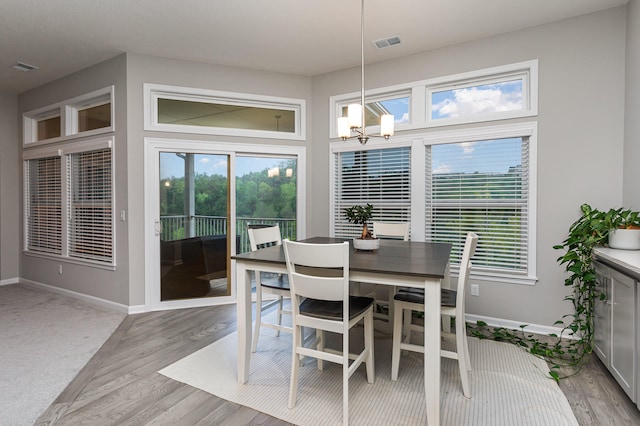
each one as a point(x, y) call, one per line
point(64, 151)
point(527, 130)
point(420, 96)
point(153, 92)
point(68, 112)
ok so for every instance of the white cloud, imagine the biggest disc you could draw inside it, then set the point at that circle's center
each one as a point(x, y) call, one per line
point(442, 169)
point(474, 101)
point(468, 147)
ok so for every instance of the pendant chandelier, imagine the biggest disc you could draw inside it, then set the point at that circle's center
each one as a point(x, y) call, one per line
point(354, 125)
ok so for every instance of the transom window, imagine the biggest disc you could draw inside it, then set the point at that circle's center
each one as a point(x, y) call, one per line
point(85, 115)
point(498, 93)
point(187, 110)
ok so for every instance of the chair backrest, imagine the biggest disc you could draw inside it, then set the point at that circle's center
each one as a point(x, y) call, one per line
point(318, 271)
point(396, 230)
point(465, 266)
point(264, 237)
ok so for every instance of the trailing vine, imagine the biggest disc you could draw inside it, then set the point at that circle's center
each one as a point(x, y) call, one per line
point(567, 351)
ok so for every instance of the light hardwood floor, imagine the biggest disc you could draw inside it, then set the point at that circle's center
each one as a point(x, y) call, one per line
point(121, 384)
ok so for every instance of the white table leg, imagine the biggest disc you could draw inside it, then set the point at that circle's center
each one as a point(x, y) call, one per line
point(432, 351)
point(244, 321)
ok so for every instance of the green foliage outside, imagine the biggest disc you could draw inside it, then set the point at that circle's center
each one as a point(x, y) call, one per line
point(257, 195)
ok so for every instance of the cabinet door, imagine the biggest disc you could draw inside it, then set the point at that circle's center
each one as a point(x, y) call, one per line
point(602, 315)
point(623, 332)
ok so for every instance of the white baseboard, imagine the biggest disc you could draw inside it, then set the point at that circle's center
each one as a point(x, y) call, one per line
point(515, 325)
point(10, 281)
point(84, 297)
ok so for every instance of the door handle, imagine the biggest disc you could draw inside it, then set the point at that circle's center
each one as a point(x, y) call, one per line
point(158, 228)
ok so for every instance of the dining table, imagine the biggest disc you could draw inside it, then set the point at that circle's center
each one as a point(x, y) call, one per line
point(423, 265)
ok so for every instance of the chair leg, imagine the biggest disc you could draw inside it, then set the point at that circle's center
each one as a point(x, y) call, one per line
point(406, 325)
point(279, 315)
point(392, 293)
point(345, 379)
point(295, 366)
point(368, 343)
point(320, 347)
point(256, 331)
point(397, 338)
point(461, 339)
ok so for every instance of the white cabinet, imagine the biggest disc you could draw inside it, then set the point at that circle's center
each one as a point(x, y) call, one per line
point(615, 326)
point(602, 315)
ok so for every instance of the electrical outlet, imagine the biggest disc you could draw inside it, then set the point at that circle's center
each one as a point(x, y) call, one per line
point(475, 289)
point(60, 269)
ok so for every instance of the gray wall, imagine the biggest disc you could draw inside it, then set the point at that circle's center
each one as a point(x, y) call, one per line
point(581, 149)
point(104, 284)
point(632, 109)
point(10, 199)
point(580, 136)
point(147, 69)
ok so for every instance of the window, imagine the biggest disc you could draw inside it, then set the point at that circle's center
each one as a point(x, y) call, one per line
point(479, 99)
point(70, 214)
point(380, 177)
point(90, 216)
point(48, 128)
point(480, 186)
point(447, 183)
point(43, 205)
point(86, 115)
point(498, 93)
point(186, 110)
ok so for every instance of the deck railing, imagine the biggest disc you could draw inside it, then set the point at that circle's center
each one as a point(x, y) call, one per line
point(175, 227)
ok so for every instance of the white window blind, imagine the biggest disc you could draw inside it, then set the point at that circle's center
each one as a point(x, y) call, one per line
point(90, 215)
point(381, 177)
point(43, 206)
point(481, 186)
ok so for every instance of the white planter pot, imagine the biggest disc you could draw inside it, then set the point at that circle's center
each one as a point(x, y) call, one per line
point(360, 244)
point(624, 239)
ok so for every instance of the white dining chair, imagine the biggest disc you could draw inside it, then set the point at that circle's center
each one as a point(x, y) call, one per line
point(452, 304)
point(278, 286)
point(319, 279)
point(393, 231)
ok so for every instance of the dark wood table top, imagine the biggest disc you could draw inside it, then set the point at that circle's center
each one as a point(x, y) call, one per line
point(420, 259)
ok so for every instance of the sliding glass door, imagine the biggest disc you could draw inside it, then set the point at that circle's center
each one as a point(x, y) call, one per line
point(197, 194)
point(266, 194)
point(194, 218)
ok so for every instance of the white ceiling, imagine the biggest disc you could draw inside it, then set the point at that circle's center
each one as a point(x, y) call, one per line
point(306, 37)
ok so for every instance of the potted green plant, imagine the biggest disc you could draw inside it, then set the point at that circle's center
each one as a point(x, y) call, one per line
point(624, 229)
point(360, 215)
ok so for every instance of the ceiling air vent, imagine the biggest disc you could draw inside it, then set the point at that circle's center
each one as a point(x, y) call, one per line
point(20, 66)
point(386, 42)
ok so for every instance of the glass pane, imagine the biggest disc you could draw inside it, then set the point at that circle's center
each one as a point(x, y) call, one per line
point(266, 193)
point(95, 117)
point(481, 186)
point(477, 100)
point(194, 248)
point(205, 114)
point(398, 107)
point(49, 128)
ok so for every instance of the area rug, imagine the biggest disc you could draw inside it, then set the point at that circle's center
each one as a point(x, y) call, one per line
point(509, 386)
